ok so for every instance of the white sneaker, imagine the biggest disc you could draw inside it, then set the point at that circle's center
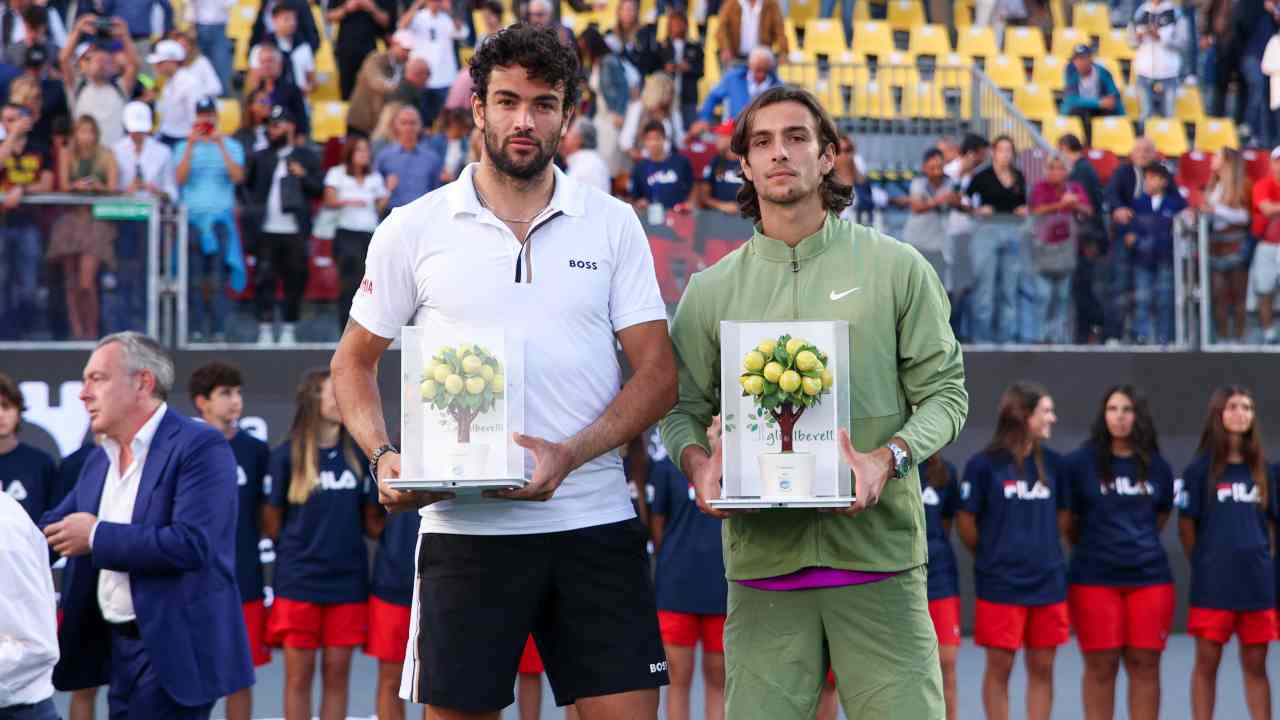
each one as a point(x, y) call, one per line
point(1271, 335)
point(265, 336)
point(286, 335)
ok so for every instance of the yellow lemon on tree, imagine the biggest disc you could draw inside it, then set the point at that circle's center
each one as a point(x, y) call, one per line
point(453, 384)
point(806, 361)
point(794, 345)
point(430, 367)
point(463, 349)
point(499, 383)
point(767, 346)
point(742, 380)
point(812, 386)
point(471, 364)
point(773, 371)
point(790, 381)
point(754, 384)
point(754, 361)
point(486, 372)
point(428, 389)
point(475, 385)
point(441, 373)
point(826, 378)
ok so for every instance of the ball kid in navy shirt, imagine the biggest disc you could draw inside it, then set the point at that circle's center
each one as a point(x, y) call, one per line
point(27, 475)
point(940, 505)
point(690, 575)
point(661, 178)
point(252, 459)
point(394, 565)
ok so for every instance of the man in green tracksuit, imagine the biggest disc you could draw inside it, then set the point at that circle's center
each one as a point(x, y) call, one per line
point(846, 587)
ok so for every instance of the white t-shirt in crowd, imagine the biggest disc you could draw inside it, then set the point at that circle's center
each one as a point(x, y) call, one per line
point(446, 258)
point(155, 161)
point(205, 76)
point(277, 221)
point(433, 41)
point(177, 105)
point(369, 191)
point(105, 104)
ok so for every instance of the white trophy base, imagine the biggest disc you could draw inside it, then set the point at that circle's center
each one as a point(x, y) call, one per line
point(787, 474)
point(464, 460)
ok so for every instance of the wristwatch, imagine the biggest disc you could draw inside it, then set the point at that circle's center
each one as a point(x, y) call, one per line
point(377, 455)
point(901, 461)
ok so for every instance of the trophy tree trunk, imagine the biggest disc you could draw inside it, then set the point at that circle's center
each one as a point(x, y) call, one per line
point(786, 416)
point(464, 418)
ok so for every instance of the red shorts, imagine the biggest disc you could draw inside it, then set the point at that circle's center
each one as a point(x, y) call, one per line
point(310, 626)
point(945, 613)
point(1255, 627)
point(686, 629)
point(388, 630)
point(1108, 618)
point(530, 660)
point(255, 621)
point(1010, 627)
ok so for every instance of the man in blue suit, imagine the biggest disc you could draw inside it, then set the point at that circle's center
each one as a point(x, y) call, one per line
point(150, 598)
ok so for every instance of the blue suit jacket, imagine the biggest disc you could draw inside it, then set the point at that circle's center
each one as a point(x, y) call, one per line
point(179, 552)
point(732, 90)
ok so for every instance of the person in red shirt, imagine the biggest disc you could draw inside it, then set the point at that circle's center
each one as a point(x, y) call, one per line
point(1265, 272)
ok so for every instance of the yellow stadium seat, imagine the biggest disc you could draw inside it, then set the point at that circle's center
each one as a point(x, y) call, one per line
point(1213, 134)
point(802, 11)
point(872, 38)
point(1024, 42)
point(897, 59)
point(1188, 106)
point(240, 21)
point(954, 60)
point(861, 12)
point(1132, 105)
point(1115, 45)
point(241, 60)
point(1113, 133)
point(1168, 134)
point(1093, 17)
point(1065, 39)
point(324, 59)
point(929, 40)
point(326, 87)
point(1005, 72)
point(824, 37)
point(924, 100)
point(905, 14)
point(899, 76)
point(1034, 101)
point(228, 115)
point(962, 14)
point(977, 41)
point(1114, 68)
point(1049, 71)
point(1054, 128)
point(872, 100)
point(328, 120)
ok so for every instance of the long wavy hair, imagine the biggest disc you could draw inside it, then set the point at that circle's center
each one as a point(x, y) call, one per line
point(1143, 439)
point(304, 452)
point(1017, 404)
point(836, 196)
point(1215, 442)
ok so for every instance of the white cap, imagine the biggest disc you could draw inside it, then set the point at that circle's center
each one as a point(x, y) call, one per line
point(403, 38)
point(167, 50)
point(137, 117)
point(81, 50)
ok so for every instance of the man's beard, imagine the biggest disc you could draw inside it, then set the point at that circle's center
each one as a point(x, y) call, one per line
point(527, 170)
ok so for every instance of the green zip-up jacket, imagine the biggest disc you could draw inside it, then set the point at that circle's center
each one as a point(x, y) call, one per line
point(907, 381)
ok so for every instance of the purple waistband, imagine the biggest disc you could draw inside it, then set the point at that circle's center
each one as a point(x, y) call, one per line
point(816, 577)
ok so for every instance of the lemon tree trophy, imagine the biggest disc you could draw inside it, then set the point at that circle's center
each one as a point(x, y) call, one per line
point(463, 397)
point(782, 399)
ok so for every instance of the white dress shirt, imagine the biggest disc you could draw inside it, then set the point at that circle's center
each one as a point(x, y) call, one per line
point(119, 493)
point(277, 221)
point(749, 27)
point(209, 12)
point(177, 105)
point(28, 611)
point(155, 162)
point(434, 35)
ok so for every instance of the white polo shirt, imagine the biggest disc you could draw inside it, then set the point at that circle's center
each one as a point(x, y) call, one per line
point(446, 258)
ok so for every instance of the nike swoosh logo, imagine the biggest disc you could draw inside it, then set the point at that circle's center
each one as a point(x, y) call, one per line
point(837, 296)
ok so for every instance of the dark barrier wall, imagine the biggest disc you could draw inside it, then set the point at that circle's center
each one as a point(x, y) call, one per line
point(1178, 385)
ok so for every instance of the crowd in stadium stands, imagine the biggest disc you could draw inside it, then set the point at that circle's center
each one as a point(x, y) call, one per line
point(288, 129)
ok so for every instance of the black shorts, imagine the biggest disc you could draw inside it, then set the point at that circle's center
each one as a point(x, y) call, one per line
point(585, 595)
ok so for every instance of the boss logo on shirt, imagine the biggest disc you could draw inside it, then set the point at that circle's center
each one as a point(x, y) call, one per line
point(1236, 492)
point(1126, 486)
point(929, 495)
point(1020, 490)
point(584, 264)
point(346, 482)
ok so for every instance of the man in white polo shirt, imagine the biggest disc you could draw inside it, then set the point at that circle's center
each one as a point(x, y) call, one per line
point(567, 268)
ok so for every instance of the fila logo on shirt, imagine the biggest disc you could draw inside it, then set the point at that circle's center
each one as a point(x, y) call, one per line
point(1236, 492)
point(1126, 486)
point(1020, 490)
point(18, 491)
point(663, 177)
point(929, 495)
point(241, 478)
point(346, 481)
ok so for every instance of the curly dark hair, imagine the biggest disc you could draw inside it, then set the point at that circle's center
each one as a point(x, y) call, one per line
point(835, 195)
point(537, 50)
point(209, 377)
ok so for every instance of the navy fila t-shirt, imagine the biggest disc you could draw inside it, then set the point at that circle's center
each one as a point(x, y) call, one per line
point(1231, 565)
point(252, 458)
point(321, 555)
point(30, 476)
point(395, 565)
point(1119, 535)
point(1019, 559)
point(940, 504)
point(667, 182)
point(725, 177)
point(690, 576)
